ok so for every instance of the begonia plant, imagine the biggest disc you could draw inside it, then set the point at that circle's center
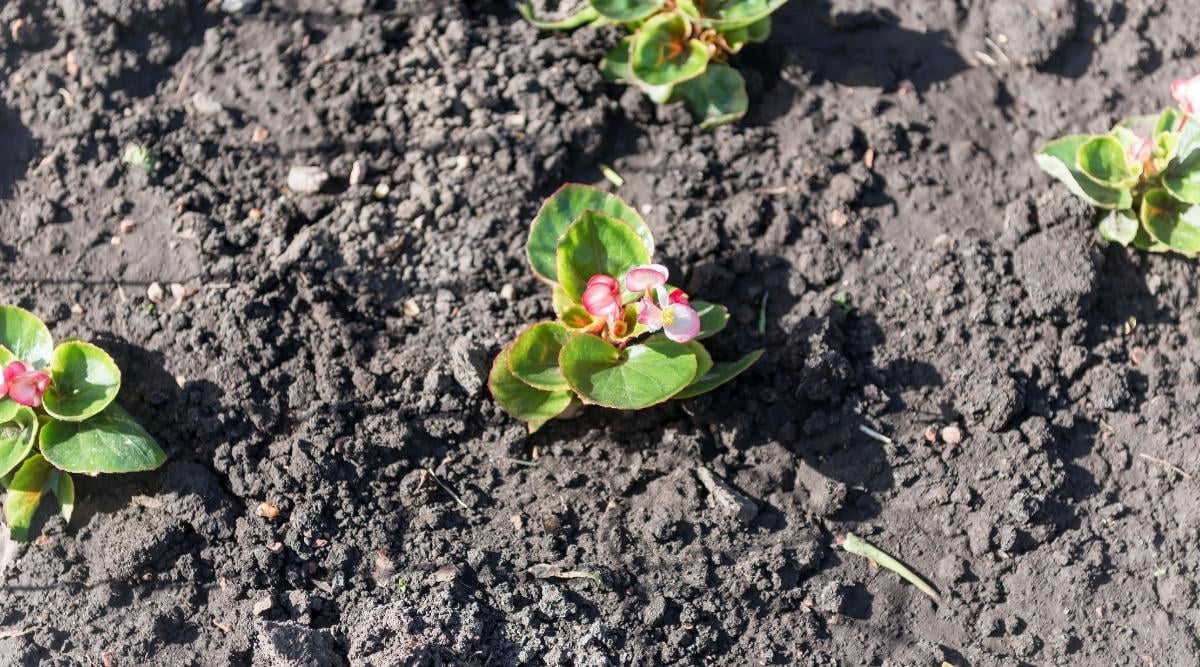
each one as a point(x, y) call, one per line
point(57, 417)
point(678, 50)
point(624, 337)
point(1143, 176)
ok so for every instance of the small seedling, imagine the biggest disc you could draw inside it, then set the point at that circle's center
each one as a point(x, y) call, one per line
point(1143, 176)
point(139, 157)
point(57, 417)
point(624, 338)
point(678, 50)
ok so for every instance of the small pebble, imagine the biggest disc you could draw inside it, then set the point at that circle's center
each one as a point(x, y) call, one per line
point(951, 435)
point(306, 180)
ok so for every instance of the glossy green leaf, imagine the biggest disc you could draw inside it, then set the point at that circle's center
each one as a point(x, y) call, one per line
point(727, 15)
point(1171, 221)
point(637, 377)
point(720, 374)
point(615, 67)
point(1119, 227)
point(85, 381)
point(713, 318)
point(25, 492)
point(112, 441)
point(561, 210)
point(1143, 241)
point(17, 436)
point(1057, 158)
point(664, 53)
point(64, 490)
point(597, 244)
point(716, 97)
point(1184, 185)
point(704, 362)
point(533, 358)
point(1187, 153)
point(25, 336)
point(576, 317)
point(533, 406)
point(1104, 160)
point(754, 33)
point(581, 18)
point(626, 11)
point(1168, 121)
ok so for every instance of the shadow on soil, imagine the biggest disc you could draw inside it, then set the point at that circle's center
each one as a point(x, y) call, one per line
point(20, 150)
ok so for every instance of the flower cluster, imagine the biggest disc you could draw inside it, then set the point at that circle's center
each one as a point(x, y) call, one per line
point(624, 338)
point(657, 309)
point(23, 384)
point(1143, 176)
point(677, 50)
point(58, 416)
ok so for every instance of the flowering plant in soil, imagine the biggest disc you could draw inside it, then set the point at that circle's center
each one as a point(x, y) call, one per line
point(624, 338)
point(57, 417)
point(1143, 176)
point(677, 49)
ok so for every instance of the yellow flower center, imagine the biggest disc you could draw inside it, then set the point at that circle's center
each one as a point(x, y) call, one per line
point(668, 316)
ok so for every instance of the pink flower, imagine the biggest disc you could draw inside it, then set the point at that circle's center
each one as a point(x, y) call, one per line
point(675, 317)
point(24, 385)
point(602, 297)
point(1187, 93)
point(645, 277)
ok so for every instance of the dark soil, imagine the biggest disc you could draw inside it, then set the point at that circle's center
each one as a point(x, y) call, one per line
point(886, 161)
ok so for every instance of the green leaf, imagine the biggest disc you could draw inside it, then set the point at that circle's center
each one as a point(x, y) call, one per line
point(664, 53)
point(25, 336)
point(1143, 241)
point(638, 377)
point(64, 489)
point(1184, 185)
point(727, 15)
point(615, 67)
point(716, 97)
point(597, 244)
point(25, 492)
point(577, 317)
point(533, 358)
point(1171, 221)
point(533, 406)
point(1168, 121)
point(581, 18)
point(1103, 159)
point(112, 441)
point(561, 210)
point(1187, 154)
point(1057, 158)
point(719, 375)
point(627, 11)
point(713, 318)
point(704, 362)
point(754, 33)
point(17, 435)
point(85, 381)
point(1119, 227)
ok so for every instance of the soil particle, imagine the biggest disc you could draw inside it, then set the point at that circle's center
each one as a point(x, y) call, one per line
point(1059, 270)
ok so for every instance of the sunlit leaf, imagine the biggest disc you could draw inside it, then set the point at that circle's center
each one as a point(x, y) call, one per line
point(637, 377)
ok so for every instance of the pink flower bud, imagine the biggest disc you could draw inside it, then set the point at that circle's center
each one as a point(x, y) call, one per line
point(645, 277)
point(1142, 149)
point(602, 297)
point(25, 385)
point(1187, 93)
